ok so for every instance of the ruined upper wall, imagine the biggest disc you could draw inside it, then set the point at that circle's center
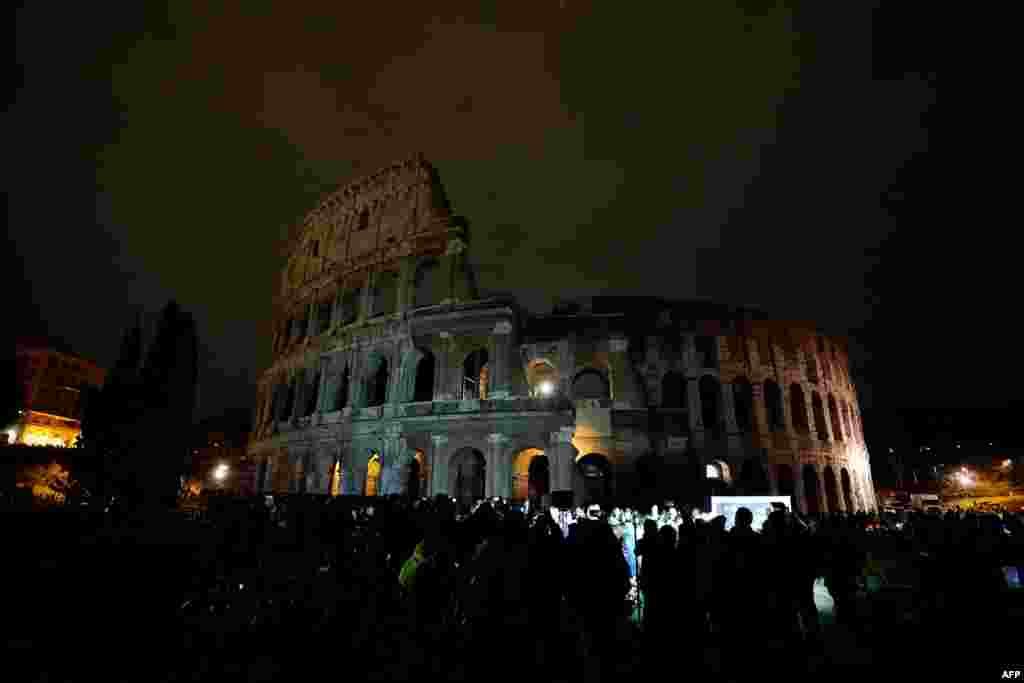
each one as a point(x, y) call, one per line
point(377, 217)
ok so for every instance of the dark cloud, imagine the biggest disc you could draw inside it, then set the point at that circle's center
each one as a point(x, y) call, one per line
point(695, 149)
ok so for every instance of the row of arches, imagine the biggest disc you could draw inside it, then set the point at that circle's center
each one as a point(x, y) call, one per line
point(710, 395)
point(840, 493)
point(427, 289)
point(300, 396)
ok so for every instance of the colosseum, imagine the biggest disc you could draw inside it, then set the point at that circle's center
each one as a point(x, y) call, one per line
point(391, 374)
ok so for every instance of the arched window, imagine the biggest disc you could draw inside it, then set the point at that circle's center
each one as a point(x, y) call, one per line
point(289, 402)
point(835, 417)
point(428, 284)
point(710, 398)
point(364, 219)
point(743, 399)
point(378, 385)
point(385, 294)
point(798, 408)
point(424, 388)
point(340, 399)
point(590, 384)
point(773, 406)
point(312, 394)
point(812, 367)
point(474, 376)
point(819, 416)
point(323, 315)
point(673, 390)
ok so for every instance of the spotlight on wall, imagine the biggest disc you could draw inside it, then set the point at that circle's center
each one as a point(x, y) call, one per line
point(221, 473)
point(546, 388)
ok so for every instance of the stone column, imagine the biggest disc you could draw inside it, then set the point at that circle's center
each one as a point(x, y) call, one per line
point(563, 459)
point(799, 498)
point(443, 370)
point(760, 414)
point(501, 376)
point(627, 392)
point(500, 476)
point(844, 505)
point(812, 428)
point(827, 416)
point(406, 272)
point(823, 502)
point(453, 267)
point(439, 464)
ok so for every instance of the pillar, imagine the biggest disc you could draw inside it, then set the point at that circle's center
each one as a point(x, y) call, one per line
point(445, 371)
point(563, 459)
point(827, 416)
point(501, 375)
point(812, 428)
point(439, 464)
point(729, 408)
point(823, 502)
point(498, 467)
point(799, 498)
point(844, 505)
point(454, 269)
point(760, 415)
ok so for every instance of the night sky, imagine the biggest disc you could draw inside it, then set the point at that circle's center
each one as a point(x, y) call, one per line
point(774, 155)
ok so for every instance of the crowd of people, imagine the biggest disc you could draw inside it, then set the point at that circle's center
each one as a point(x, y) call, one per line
point(562, 586)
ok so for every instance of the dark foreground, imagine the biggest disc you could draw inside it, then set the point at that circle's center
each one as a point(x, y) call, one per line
point(172, 600)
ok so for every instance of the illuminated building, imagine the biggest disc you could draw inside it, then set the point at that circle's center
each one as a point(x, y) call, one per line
point(391, 374)
point(53, 380)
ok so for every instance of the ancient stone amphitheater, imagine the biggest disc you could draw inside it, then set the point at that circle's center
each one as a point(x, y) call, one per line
point(392, 375)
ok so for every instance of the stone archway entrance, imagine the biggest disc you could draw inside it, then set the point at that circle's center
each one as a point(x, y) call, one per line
point(468, 475)
point(810, 476)
point(531, 476)
point(593, 479)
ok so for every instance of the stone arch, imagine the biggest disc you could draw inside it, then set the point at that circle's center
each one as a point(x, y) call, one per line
point(542, 378)
point(311, 393)
point(428, 283)
point(593, 478)
point(798, 408)
point(475, 375)
point(831, 489)
point(423, 384)
point(819, 416)
point(810, 476)
point(673, 390)
point(385, 294)
point(373, 469)
point(773, 406)
point(835, 416)
point(710, 403)
point(376, 381)
point(753, 478)
point(590, 383)
point(339, 399)
point(743, 399)
point(531, 475)
point(467, 475)
point(844, 479)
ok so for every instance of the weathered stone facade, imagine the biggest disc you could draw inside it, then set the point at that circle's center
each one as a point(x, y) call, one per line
point(388, 366)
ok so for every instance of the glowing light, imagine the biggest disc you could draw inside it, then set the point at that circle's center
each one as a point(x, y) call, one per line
point(1007, 462)
point(221, 473)
point(546, 388)
point(711, 472)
